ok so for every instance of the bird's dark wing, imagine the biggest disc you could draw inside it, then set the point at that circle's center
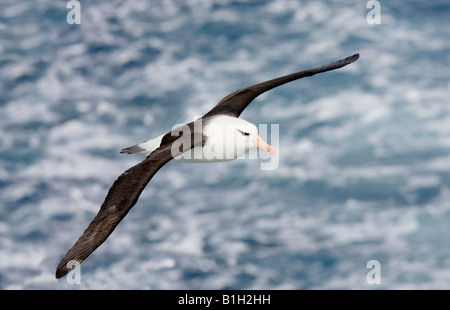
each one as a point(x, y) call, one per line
point(121, 197)
point(236, 102)
point(124, 193)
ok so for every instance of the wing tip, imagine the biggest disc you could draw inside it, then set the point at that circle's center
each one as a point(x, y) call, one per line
point(132, 149)
point(346, 61)
point(352, 58)
point(337, 64)
point(65, 267)
point(60, 273)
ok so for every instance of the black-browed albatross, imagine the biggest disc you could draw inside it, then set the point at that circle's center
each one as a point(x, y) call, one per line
point(213, 135)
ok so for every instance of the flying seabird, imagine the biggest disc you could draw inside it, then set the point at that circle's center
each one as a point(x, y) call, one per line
point(217, 136)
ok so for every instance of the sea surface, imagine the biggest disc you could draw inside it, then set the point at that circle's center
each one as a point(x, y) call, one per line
point(363, 171)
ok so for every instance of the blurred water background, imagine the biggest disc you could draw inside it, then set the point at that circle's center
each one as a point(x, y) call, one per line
point(364, 166)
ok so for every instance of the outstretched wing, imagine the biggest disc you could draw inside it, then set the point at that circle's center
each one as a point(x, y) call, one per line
point(122, 196)
point(236, 102)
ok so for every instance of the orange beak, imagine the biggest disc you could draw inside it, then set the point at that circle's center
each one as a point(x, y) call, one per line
point(262, 145)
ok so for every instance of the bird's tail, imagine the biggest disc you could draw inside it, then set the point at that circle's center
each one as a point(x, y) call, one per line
point(145, 147)
point(132, 149)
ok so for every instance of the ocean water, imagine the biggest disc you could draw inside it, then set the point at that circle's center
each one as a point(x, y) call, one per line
point(364, 151)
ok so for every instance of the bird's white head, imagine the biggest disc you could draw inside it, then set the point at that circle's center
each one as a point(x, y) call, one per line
point(230, 138)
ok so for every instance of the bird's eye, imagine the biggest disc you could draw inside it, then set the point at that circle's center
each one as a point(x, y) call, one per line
point(244, 133)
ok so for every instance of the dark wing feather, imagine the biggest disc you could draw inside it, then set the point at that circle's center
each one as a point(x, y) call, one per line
point(236, 102)
point(122, 196)
point(125, 192)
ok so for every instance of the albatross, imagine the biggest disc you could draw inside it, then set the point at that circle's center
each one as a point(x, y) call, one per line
point(219, 135)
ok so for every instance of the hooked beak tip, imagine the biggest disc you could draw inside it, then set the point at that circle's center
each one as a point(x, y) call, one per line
point(262, 145)
point(272, 151)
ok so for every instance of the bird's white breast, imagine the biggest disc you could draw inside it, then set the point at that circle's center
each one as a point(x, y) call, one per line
point(223, 141)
